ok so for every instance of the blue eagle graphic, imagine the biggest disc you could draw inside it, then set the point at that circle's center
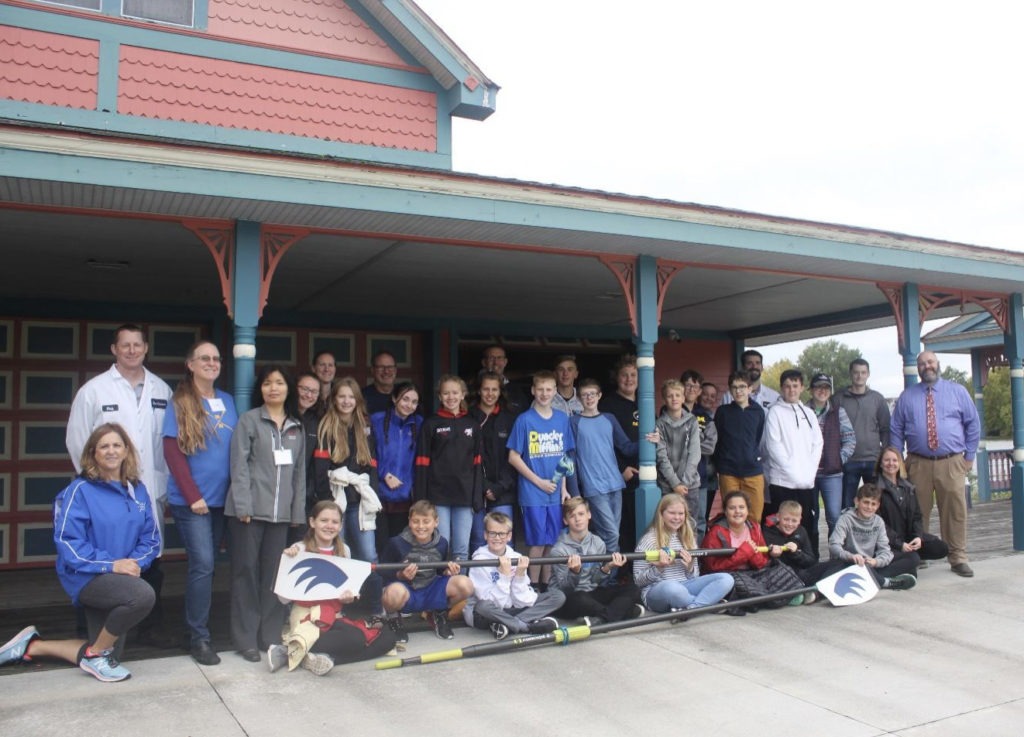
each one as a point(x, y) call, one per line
point(849, 583)
point(318, 572)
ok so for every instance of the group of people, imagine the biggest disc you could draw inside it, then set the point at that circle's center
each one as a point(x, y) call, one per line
point(321, 464)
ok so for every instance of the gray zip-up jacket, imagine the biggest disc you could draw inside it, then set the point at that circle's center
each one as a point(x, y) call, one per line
point(869, 415)
point(261, 487)
point(678, 453)
point(590, 575)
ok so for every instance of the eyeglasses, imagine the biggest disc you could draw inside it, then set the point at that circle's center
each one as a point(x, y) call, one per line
point(589, 395)
point(392, 367)
point(207, 359)
point(497, 535)
point(739, 387)
point(308, 391)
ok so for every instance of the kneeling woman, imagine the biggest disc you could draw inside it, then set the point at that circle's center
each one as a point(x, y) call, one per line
point(674, 582)
point(756, 573)
point(106, 536)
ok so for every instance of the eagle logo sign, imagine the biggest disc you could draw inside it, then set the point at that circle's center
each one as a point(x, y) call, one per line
point(316, 571)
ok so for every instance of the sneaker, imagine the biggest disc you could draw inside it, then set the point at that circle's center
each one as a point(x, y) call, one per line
point(442, 628)
point(593, 621)
point(317, 663)
point(277, 657)
point(796, 600)
point(900, 583)
point(104, 667)
point(401, 636)
point(374, 622)
point(810, 598)
point(13, 651)
point(542, 626)
point(499, 631)
point(639, 610)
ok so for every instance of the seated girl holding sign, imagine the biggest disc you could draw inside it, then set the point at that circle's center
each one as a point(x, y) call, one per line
point(322, 626)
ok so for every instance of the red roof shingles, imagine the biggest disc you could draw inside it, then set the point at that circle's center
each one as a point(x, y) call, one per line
point(316, 26)
point(48, 68)
point(171, 86)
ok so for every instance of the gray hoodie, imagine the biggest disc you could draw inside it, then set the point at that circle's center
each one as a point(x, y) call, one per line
point(678, 453)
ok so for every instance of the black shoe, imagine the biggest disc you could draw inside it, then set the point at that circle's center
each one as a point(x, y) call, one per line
point(395, 623)
point(203, 654)
point(252, 655)
point(157, 638)
point(543, 626)
point(962, 569)
point(441, 626)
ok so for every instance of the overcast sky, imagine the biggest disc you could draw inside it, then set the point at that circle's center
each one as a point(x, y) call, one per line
point(900, 116)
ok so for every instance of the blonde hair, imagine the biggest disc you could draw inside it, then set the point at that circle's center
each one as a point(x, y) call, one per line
point(334, 428)
point(669, 385)
point(662, 534)
point(130, 465)
point(453, 379)
point(194, 424)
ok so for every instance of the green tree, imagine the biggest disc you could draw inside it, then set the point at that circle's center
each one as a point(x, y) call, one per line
point(998, 412)
point(770, 376)
point(960, 377)
point(828, 357)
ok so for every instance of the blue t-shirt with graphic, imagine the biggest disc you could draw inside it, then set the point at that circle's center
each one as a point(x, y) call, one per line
point(542, 443)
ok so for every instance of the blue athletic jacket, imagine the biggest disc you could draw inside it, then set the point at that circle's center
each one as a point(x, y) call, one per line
point(396, 452)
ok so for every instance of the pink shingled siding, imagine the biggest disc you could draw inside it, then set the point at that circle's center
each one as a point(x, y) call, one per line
point(169, 86)
point(48, 68)
point(317, 26)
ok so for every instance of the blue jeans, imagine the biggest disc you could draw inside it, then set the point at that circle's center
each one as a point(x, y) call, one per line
point(853, 472)
point(705, 590)
point(476, 535)
point(606, 517)
point(200, 534)
point(361, 543)
point(455, 525)
point(831, 489)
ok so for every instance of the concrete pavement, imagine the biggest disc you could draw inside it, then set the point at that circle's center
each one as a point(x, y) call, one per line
point(945, 659)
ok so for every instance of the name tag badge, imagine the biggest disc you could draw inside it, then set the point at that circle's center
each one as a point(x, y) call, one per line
point(216, 404)
point(158, 403)
point(283, 457)
point(108, 408)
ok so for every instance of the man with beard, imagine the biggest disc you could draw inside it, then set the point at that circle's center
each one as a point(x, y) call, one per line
point(753, 363)
point(939, 423)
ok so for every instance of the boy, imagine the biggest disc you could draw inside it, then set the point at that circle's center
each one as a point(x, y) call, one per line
point(539, 439)
point(678, 453)
point(783, 529)
point(416, 589)
point(597, 435)
point(502, 599)
point(581, 582)
point(740, 426)
point(859, 537)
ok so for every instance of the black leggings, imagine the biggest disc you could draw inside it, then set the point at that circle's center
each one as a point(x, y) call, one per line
point(115, 602)
point(346, 643)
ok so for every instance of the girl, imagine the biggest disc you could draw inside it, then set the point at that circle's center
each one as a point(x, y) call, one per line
point(448, 464)
point(499, 478)
point(344, 439)
point(267, 493)
point(672, 583)
point(754, 572)
point(322, 624)
point(396, 430)
point(197, 446)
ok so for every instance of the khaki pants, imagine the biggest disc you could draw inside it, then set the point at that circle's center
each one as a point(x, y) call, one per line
point(943, 480)
point(752, 486)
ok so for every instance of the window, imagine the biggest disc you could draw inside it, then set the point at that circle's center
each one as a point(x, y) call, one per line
point(178, 12)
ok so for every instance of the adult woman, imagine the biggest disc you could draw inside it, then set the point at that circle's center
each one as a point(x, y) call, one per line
point(622, 403)
point(900, 511)
point(105, 535)
point(197, 445)
point(268, 492)
point(395, 431)
point(491, 414)
point(344, 439)
point(675, 582)
point(756, 573)
point(839, 444)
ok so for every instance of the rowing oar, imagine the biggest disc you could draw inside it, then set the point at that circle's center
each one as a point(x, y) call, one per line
point(648, 555)
point(576, 633)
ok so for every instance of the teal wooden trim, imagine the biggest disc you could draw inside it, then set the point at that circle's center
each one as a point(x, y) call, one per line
point(233, 137)
point(647, 494)
point(245, 287)
point(164, 38)
point(201, 15)
point(963, 345)
point(1014, 350)
point(984, 489)
point(107, 82)
point(911, 345)
point(814, 321)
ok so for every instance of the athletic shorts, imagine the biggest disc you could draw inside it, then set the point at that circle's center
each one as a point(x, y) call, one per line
point(430, 598)
point(542, 525)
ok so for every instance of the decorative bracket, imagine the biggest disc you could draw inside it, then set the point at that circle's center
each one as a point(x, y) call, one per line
point(624, 269)
point(219, 239)
point(931, 298)
point(274, 244)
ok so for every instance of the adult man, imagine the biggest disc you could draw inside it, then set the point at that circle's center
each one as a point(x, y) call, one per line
point(753, 363)
point(792, 443)
point(496, 360)
point(869, 413)
point(378, 393)
point(324, 367)
point(709, 396)
point(939, 424)
point(566, 373)
point(136, 399)
point(740, 426)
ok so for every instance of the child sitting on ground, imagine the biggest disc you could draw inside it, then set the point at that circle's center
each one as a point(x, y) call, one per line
point(502, 599)
point(581, 582)
point(322, 625)
point(859, 537)
point(421, 588)
point(784, 530)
